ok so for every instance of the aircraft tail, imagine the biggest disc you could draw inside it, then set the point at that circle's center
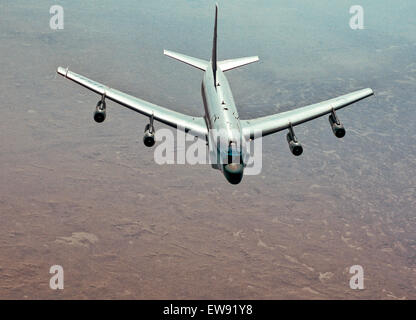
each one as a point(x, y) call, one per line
point(214, 48)
point(224, 65)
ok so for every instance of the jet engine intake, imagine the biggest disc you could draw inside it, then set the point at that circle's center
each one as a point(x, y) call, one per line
point(100, 111)
point(149, 135)
point(336, 125)
point(294, 145)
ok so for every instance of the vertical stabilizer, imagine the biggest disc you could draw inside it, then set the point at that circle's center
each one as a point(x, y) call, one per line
point(214, 48)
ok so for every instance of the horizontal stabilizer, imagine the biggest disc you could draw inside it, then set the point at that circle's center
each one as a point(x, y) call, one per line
point(226, 65)
point(195, 62)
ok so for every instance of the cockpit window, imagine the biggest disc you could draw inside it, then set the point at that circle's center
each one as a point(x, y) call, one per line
point(234, 154)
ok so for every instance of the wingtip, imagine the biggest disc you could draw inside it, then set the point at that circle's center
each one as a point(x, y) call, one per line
point(61, 70)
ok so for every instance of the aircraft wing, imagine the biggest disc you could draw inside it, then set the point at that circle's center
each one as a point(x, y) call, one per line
point(193, 125)
point(277, 122)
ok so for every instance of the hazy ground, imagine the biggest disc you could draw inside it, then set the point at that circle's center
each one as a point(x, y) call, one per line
point(89, 197)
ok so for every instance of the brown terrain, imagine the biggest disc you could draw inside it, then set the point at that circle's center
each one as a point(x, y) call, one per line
point(90, 198)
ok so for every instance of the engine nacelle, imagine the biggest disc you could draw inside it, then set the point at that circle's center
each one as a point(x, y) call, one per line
point(294, 145)
point(100, 113)
point(149, 136)
point(336, 125)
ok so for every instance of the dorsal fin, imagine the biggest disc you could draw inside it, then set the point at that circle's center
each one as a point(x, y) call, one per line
point(214, 48)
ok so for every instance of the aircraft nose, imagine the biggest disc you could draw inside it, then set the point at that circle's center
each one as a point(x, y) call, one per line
point(233, 172)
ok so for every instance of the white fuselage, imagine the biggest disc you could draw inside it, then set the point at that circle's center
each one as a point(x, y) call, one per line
point(223, 123)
